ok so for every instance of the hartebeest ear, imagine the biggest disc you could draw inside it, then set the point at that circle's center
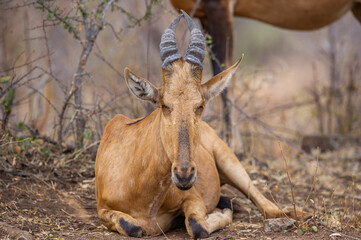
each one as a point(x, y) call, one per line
point(215, 85)
point(141, 88)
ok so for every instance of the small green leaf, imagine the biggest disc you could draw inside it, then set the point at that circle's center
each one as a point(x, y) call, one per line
point(314, 228)
point(208, 39)
point(50, 16)
point(21, 126)
point(299, 232)
point(45, 151)
point(280, 172)
point(56, 9)
point(10, 94)
point(88, 134)
point(7, 108)
point(5, 79)
point(39, 7)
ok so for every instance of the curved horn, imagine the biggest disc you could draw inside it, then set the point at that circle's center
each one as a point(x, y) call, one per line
point(168, 46)
point(195, 52)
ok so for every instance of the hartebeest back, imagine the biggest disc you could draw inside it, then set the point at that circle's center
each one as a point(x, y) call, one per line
point(169, 164)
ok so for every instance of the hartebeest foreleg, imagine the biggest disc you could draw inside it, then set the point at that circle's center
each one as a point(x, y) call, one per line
point(121, 222)
point(232, 172)
point(198, 223)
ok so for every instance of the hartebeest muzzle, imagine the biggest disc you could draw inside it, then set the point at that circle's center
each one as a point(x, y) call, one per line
point(184, 174)
point(184, 177)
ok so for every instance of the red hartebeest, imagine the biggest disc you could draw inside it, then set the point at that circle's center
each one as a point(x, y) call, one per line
point(151, 171)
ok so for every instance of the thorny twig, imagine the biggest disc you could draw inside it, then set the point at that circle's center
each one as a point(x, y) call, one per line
point(61, 19)
point(289, 179)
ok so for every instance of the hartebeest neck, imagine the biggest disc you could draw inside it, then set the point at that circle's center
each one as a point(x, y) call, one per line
point(154, 168)
point(155, 159)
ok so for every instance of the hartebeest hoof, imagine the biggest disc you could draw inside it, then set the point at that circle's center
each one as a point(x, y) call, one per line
point(130, 229)
point(196, 228)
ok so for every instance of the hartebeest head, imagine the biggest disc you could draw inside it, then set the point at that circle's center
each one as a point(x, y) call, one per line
point(182, 99)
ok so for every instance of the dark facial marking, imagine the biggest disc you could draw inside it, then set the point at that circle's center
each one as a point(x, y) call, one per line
point(131, 229)
point(197, 229)
point(183, 140)
point(196, 71)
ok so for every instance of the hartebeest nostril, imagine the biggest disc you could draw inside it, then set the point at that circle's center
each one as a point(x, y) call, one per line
point(179, 178)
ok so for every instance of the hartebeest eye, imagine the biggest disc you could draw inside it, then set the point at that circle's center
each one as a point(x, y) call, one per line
point(166, 109)
point(199, 109)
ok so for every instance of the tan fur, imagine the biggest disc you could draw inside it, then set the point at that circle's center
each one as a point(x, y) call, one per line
point(137, 163)
point(298, 15)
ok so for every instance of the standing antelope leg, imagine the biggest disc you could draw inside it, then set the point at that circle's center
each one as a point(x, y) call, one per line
point(218, 23)
point(120, 222)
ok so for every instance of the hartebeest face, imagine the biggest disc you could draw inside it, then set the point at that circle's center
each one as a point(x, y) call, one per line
point(182, 99)
point(182, 104)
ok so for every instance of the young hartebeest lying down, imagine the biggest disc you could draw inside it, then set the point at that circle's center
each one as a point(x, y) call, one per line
point(150, 171)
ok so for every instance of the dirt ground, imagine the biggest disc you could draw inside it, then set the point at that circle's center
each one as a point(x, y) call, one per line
point(54, 198)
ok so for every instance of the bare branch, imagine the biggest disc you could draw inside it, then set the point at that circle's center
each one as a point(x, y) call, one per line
point(35, 133)
point(45, 98)
point(23, 65)
point(20, 6)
